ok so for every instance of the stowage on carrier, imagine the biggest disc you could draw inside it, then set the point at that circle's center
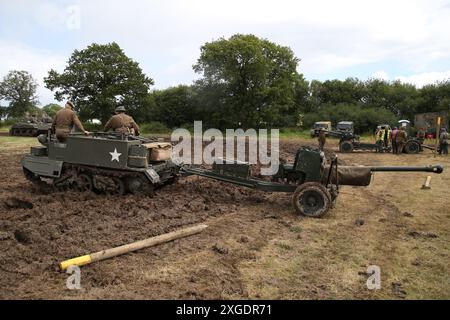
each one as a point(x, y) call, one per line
point(103, 162)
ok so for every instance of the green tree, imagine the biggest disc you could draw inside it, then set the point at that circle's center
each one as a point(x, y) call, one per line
point(350, 91)
point(19, 89)
point(51, 109)
point(212, 101)
point(376, 93)
point(99, 77)
point(174, 106)
point(301, 105)
point(403, 100)
point(434, 97)
point(257, 79)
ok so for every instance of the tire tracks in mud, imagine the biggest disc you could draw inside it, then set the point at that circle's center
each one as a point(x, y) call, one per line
point(63, 225)
point(388, 229)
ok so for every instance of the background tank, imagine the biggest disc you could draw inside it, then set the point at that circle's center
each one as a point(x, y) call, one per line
point(31, 127)
point(102, 162)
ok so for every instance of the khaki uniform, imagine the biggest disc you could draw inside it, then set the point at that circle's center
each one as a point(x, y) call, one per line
point(63, 123)
point(443, 143)
point(401, 140)
point(322, 140)
point(122, 123)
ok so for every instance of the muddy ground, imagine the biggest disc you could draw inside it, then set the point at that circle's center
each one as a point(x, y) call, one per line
point(255, 246)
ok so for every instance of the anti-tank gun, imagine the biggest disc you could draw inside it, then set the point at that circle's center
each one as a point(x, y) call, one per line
point(312, 180)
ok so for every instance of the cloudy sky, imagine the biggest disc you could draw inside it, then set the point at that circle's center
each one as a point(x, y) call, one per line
point(390, 39)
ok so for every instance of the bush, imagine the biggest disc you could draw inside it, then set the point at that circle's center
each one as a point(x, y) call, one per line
point(8, 122)
point(92, 127)
point(154, 127)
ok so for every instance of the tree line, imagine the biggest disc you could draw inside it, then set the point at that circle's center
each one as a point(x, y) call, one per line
point(245, 82)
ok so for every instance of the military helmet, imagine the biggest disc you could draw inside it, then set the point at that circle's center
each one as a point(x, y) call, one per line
point(120, 109)
point(43, 139)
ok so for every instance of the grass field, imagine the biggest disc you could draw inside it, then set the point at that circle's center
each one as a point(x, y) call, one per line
point(7, 142)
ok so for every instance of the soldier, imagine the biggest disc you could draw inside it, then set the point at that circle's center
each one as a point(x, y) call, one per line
point(401, 139)
point(322, 139)
point(64, 121)
point(394, 141)
point(122, 123)
point(421, 134)
point(443, 142)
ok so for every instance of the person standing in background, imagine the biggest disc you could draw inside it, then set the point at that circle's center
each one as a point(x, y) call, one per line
point(322, 139)
point(393, 141)
point(401, 138)
point(443, 142)
point(380, 139)
point(387, 137)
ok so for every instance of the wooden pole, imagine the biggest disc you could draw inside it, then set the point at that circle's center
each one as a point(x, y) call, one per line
point(150, 242)
point(427, 183)
point(438, 132)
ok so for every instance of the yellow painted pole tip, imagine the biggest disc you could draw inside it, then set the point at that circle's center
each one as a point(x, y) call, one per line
point(79, 261)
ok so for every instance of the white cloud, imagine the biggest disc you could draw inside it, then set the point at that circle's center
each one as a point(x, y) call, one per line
point(419, 80)
point(331, 37)
point(423, 79)
point(382, 75)
point(15, 56)
point(327, 35)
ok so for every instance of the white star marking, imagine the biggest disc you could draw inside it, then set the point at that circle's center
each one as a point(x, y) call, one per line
point(115, 155)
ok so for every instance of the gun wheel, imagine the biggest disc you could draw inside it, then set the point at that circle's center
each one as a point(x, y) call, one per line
point(412, 147)
point(346, 147)
point(312, 200)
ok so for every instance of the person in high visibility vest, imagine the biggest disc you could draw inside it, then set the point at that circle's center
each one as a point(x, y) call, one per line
point(386, 137)
point(380, 138)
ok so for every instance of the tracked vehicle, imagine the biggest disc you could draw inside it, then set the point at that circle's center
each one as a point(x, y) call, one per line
point(30, 127)
point(103, 162)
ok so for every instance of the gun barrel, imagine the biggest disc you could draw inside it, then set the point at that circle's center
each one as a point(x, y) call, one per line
point(434, 169)
point(336, 134)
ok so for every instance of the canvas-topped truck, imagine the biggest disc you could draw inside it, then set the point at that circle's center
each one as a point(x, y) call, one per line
point(325, 125)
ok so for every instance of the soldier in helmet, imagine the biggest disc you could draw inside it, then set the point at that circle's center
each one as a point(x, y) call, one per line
point(64, 121)
point(122, 123)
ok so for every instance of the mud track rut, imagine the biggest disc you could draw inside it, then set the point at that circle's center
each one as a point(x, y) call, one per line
point(53, 226)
